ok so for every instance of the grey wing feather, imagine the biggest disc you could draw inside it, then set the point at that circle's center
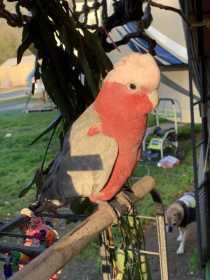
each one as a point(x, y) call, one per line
point(85, 163)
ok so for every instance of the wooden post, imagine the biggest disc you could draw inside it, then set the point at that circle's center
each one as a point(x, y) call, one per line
point(56, 256)
point(160, 221)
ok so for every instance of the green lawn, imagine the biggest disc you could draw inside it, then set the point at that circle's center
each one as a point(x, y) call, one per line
point(19, 160)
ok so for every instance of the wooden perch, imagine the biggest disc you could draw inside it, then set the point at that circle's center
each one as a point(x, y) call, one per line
point(56, 256)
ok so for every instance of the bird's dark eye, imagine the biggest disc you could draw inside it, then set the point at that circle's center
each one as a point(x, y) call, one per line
point(132, 86)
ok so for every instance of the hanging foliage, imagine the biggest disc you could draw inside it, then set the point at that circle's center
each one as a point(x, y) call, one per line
point(70, 48)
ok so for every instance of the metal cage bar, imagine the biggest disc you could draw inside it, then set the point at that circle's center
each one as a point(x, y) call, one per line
point(162, 244)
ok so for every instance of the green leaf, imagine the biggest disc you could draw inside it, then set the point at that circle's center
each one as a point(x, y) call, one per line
point(27, 188)
point(51, 126)
point(101, 59)
point(27, 40)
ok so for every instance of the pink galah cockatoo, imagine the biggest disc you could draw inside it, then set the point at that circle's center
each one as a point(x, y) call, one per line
point(103, 145)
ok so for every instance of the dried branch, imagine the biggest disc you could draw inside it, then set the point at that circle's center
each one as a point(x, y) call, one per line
point(139, 34)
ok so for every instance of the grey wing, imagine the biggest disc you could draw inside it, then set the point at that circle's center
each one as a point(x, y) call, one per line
point(85, 163)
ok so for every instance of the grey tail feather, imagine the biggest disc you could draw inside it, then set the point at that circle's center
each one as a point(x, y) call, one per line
point(156, 196)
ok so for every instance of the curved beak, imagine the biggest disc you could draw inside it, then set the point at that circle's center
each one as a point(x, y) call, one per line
point(154, 98)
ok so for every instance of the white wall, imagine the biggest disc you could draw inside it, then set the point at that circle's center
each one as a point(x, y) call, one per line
point(182, 101)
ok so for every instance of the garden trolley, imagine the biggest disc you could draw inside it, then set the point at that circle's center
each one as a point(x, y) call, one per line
point(163, 135)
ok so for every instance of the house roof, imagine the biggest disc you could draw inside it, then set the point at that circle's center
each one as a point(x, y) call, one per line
point(170, 46)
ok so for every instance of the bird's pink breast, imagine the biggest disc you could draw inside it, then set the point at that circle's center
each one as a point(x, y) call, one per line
point(123, 117)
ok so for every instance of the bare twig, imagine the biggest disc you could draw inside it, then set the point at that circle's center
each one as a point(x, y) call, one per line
point(138, 34)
